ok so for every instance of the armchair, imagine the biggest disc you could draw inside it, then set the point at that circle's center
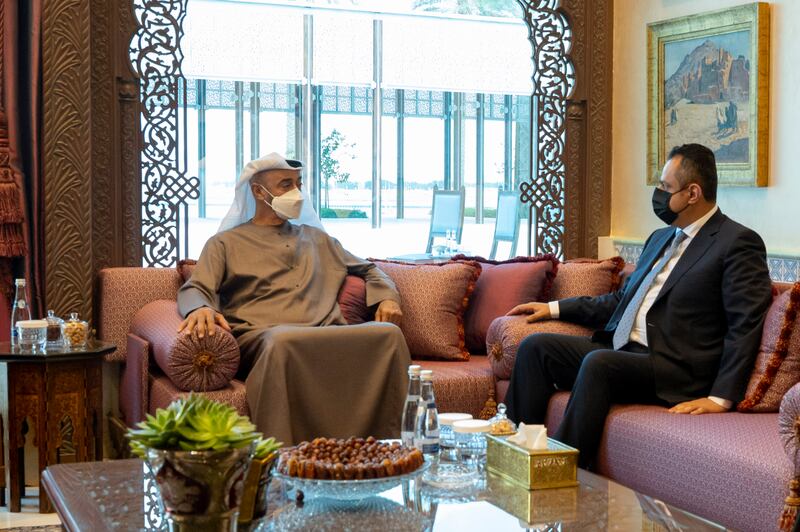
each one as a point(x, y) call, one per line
point(139, 314)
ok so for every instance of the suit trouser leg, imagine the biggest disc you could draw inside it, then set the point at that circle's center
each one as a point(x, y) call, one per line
point(544, 362)
point(605, 377)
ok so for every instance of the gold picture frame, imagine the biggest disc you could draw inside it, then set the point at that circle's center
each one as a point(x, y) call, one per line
point(708, 82)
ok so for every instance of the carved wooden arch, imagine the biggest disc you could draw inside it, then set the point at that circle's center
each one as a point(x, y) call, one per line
point(570, 188)
point(93, 141)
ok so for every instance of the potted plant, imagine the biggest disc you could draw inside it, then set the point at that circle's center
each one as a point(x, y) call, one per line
point(198, 451)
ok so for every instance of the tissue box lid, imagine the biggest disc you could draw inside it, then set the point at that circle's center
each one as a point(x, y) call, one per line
point(556, 467)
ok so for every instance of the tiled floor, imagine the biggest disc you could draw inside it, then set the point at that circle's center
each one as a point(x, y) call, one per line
point(29, 516)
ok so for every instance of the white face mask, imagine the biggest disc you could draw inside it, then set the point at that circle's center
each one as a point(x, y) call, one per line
point(288, 205)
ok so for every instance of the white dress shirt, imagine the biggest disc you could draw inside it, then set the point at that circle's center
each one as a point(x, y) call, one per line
point(639, 331)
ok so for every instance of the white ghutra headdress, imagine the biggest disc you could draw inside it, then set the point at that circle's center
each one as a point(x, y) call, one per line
point(244, 204)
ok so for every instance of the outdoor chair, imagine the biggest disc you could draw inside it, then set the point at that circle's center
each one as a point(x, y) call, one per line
point(447, 214)
point(506, 228)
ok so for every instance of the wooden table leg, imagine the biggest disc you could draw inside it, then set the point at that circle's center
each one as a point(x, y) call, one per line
point(26, 401)
point(74, 416)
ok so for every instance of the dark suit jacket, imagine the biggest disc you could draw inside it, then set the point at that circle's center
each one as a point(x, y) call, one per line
point(704, 328)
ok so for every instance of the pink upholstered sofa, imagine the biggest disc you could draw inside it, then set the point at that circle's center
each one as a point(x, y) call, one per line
point(139, 314)
point(731, 468)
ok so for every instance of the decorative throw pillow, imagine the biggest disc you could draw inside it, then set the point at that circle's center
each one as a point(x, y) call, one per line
point(502, 286)
point(353, 300)
point(191, 363)
point(434, 299)
point(186, 267)
point(506, 333)
point(778, 363)
point(587, 277)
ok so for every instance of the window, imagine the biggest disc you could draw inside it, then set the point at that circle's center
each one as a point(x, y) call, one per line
point(301, 78)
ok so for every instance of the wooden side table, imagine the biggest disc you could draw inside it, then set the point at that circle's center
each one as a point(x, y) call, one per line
point(58, 395)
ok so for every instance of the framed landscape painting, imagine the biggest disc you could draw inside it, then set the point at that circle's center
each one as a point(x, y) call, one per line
point(708, 82)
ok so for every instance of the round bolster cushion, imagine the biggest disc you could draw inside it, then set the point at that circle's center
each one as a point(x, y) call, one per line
point(787, 417)
point(507, 332)
point(191, 363)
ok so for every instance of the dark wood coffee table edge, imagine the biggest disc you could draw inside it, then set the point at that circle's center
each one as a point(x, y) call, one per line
point(58, 499)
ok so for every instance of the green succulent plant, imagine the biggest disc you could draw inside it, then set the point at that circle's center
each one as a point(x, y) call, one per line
point(194, 423)
point(264, 448)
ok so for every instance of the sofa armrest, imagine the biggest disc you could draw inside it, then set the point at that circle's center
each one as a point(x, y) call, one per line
point(122, 292)
point(789, 424)
point(134, 383)
point(507, 332)
point(190, 362)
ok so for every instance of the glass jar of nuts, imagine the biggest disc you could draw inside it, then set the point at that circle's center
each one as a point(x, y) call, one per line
point(76, 331)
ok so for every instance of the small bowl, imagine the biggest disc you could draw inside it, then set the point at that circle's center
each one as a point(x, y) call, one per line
point(32, 335)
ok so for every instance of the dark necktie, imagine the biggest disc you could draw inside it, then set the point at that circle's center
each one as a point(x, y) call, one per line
point(623, 333)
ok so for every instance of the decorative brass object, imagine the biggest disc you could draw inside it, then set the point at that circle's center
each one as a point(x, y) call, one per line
point(254, 496)
point(533, 507)
point(556, 467)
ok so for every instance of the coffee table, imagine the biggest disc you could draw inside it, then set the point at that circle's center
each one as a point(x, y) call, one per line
point(121, 495)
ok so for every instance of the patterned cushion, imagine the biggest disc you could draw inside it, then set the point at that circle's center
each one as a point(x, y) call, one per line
point(163, 392)
point(462, 386)
point(778, 364)
point(506, 333)
point(123, 291)
point(501, 287)
point(353, 300)
point(730, 468)
point(434, 299)
point(587, 277)
point(192, 363)
point(186, 268)
point(788, 414)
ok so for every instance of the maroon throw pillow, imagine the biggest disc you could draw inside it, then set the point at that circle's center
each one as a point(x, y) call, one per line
point(502, 286)
point(587, 277)
point(777, 366)
point(353, 300)
point(434, 298)
point(186, 267)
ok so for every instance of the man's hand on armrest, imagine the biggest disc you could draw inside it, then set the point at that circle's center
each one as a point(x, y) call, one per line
point(203, 319)
point(389, 311)
point(535, 311)
point(704, 405)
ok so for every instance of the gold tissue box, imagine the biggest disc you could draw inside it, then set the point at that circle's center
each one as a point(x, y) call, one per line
point(555, 467)
point(533, 507)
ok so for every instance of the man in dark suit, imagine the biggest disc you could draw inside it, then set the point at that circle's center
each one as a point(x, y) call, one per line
point(683, 331)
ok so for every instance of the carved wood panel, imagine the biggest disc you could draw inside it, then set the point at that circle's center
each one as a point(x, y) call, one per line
point(553, 78)
point(104, 228)
point(92, 199)
point(588, 137)
point(66, 76)
point(59, 405)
